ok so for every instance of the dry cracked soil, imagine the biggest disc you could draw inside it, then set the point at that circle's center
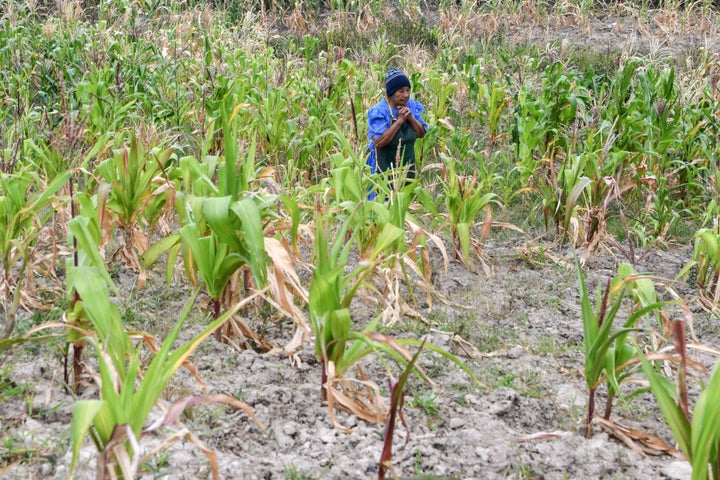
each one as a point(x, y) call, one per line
point(520, 317)
point(519, 313)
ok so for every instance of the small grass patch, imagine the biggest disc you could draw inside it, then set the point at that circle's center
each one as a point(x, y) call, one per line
point(427, 402)
point(550, 345)
point(526, 384)
point(292, 473)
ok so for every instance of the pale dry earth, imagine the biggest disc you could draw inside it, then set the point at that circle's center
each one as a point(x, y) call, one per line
point(522, 313)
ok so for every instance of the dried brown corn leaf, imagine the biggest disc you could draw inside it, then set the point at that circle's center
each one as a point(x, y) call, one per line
point(179, 406)
point(643, 443)
point(542, 436)
point(486, 224)
point(364, 402)
point(286, 286)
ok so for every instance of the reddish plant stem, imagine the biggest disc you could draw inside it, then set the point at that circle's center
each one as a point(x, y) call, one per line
point(216, 315)
point(608, 407)
point(323, 380)
point(590, 414)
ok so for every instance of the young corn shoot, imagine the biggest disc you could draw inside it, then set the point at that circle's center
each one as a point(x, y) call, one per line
point(607, 350)
point(706, 261)
point(696, 431)
point(338, 346)
point(464, 200)
point(127, 395)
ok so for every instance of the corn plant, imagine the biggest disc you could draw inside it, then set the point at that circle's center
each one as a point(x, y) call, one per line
point(696, 430)
point(706, 263)
point(115, 421)
point(494, 103)
point(369, 221)
point(608, 351)
point(347, 186)
point(529, 129)
point(562, 193)
point(609, 181)
point(331, 292)
point(224, 237)
point(140, 192)
point(338, 346)
point(464, 201)
point(51, 161)
point(222, 229)
point(26, 205)
point(543, 125)
point(96, 95)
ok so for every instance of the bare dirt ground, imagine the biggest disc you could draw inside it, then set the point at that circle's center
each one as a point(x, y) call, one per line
point(522, 317)
point(660, 35)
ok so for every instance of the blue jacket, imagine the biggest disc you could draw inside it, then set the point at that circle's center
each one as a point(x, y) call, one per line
point(380, 117)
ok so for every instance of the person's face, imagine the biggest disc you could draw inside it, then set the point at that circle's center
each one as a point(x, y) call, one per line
point(401, 96)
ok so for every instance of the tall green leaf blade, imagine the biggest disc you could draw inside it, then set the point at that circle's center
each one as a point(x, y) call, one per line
point(151, 255)
point(706, 429)
point(88, 244)
point(104, 315)
point(253, 237)
point(83, 415)
point(676, 419)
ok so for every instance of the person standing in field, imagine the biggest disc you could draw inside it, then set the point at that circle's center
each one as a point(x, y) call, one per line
point(394, 123)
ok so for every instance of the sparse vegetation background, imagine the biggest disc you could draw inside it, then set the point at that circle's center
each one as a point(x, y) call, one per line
point(195, 283)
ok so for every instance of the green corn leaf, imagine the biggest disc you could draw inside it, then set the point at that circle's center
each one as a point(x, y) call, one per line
point(104, 315)
point(104, 423)
point(41, 199)
point(160, 370)
point(676, 419)
point(590, 324)
point(462, 230)
point(166, 363)
point(706, 429)
point(389, 234)
point(615, 358)
point(83, 415)
point(88, 209)
point(151, 255)
point(243, 232)
point(252, 234)
point(125, 401)
point(80, 228)
point(337, 328)
point(215, 265)
point(170, 244)
point(442, 352)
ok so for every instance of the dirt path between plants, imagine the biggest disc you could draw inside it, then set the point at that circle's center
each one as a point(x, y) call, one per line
point(522, 315)
point(658, 36)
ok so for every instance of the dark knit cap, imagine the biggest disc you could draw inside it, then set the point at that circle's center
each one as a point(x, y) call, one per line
point(394, 81)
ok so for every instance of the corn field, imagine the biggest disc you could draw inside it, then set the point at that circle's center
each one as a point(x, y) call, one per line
point(201, 277)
